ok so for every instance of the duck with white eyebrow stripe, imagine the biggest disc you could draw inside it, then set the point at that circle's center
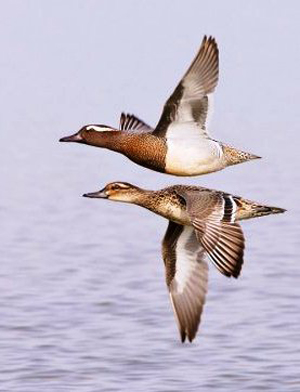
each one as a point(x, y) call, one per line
point(179, 144)
point(202, 222)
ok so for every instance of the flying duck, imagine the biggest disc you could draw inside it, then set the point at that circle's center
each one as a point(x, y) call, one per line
point(202, 222)
point(180, 143)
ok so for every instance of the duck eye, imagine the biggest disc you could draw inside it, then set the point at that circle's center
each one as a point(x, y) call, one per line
point(115, 187)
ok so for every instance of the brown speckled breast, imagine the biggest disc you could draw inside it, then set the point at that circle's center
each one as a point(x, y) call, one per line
point(146, 150)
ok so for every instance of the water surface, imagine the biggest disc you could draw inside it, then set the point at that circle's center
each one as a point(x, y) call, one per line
point(83, 302)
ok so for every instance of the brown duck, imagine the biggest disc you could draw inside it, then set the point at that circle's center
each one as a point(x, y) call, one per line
point(180, 144)
point(202, 222)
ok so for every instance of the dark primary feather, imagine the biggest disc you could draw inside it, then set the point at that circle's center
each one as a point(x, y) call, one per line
point(131, 123)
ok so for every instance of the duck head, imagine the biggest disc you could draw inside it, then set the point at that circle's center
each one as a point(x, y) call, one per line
point(117, 191)
point(87, 134)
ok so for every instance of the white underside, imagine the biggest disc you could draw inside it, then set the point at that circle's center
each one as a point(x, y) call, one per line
point(190, 151)
point(185, 260)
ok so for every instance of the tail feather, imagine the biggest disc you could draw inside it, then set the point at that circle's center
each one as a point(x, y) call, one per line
point(248, 209)
point(234, 156)
point(266, 210)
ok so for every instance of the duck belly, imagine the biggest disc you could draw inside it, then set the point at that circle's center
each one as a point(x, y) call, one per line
point(193, 156)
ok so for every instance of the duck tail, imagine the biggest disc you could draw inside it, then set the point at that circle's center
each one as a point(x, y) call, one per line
point(249, 209)
point(234, 156)
point(266, 210)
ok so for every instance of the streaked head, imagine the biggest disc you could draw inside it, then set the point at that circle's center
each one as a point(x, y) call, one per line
point(117, 191)
point(87, 133)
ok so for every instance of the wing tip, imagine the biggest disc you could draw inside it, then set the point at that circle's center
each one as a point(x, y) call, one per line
point(182, 336)
point(190, 335)
point(209, 40)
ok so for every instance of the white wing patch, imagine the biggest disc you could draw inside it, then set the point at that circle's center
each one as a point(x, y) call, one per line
point(189, 284)
point(187, 258)
point(184, 261)
point(234, 207)
point(210, 110)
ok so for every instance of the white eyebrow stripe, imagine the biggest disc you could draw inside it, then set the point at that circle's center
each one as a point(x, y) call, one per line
point(121, 185)
point(97, 128)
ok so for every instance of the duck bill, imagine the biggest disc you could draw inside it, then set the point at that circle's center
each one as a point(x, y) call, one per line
point(73, 138)
point(96, 195)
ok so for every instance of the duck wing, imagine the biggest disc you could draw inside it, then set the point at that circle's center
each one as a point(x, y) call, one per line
point(186, 276)
point(131, 123)
point(191, 100)
point(212, 215)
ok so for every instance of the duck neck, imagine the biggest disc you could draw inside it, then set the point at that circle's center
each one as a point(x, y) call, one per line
point(146, 199)
point(113, 140)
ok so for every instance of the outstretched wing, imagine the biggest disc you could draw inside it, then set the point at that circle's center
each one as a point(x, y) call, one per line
point(130, 123)
point(212, 214)
point(186, 277)
point(191, 101)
